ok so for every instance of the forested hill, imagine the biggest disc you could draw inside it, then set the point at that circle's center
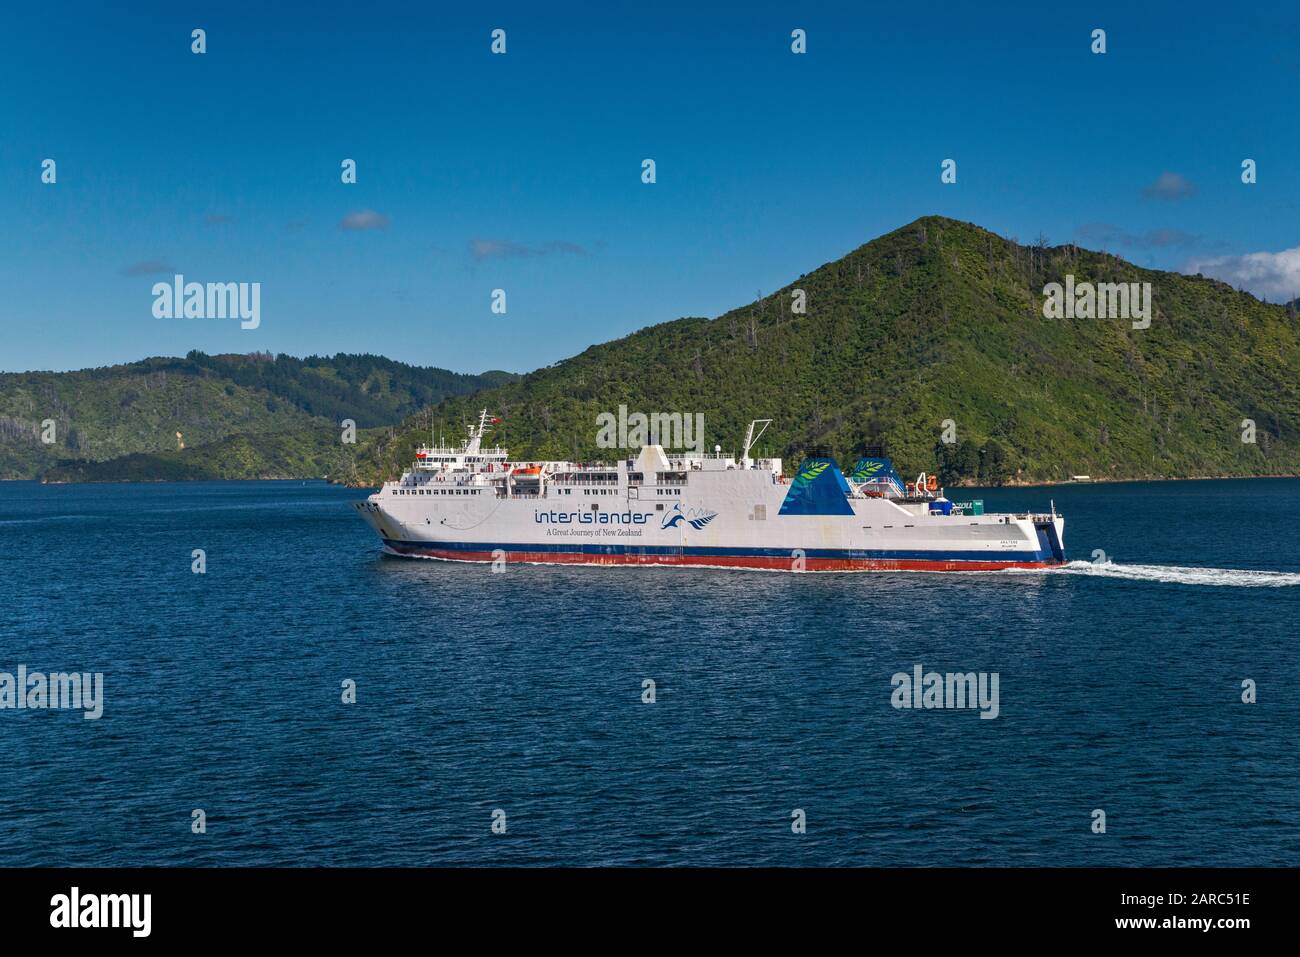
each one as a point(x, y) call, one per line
point(937, 325)
point(136, 409)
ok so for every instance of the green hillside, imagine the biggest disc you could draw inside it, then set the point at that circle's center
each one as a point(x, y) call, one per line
point(136, 410)
point(313, 452)
point(938, 320)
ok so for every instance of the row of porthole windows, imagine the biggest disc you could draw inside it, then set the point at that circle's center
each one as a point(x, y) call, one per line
point(668, 491)
point(438, 491)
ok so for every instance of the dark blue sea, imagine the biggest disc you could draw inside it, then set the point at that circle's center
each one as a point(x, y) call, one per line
point(1120, 690)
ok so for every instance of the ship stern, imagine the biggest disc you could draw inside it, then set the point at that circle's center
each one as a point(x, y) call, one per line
point(1051, 538)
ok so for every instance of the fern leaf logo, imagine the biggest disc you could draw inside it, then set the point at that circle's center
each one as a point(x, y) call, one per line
point(677, 515)
point(813, 471)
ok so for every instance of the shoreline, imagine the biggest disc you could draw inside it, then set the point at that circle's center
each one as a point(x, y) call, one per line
point(1013, 483)
point(1016, 483)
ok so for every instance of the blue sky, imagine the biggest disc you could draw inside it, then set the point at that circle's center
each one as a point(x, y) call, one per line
point(523, 171)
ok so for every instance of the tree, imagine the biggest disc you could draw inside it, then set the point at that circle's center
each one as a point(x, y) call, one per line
point(957, 461)
point(993, 463)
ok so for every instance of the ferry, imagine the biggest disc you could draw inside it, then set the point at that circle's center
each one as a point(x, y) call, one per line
point(472, 503)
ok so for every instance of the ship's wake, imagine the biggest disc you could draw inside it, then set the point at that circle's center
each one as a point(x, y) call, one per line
point(1181, 575)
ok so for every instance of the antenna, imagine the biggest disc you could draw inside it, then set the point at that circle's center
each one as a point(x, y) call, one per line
point(751, 438)
point(476, 434)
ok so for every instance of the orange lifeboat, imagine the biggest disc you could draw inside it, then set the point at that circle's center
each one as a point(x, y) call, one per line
point(532, 470)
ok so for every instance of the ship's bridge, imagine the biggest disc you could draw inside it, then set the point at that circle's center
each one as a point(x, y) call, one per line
point(468, 457)
point(442, 458)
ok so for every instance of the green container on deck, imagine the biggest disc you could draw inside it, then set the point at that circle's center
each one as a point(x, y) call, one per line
point(971, 508)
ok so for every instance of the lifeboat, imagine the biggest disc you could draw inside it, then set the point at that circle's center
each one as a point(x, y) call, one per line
point(531, 470)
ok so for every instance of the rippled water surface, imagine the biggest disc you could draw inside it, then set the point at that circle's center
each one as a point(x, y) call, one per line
point(1119, 689)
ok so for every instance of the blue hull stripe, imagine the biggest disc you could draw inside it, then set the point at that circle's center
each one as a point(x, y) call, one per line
point(1044, 554)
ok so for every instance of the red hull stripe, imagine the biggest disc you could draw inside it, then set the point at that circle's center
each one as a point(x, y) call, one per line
point(724, 561)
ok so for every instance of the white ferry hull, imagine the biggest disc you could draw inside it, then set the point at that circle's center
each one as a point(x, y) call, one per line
point(741, 529)
point(470, 504)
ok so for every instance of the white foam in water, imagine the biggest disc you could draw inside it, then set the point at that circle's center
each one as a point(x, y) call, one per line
point(1181, 575)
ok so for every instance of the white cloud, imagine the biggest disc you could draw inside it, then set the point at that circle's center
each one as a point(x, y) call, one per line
point(1170, 186)
point(364, 219)
point(482, 249)
point(1272, 276)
